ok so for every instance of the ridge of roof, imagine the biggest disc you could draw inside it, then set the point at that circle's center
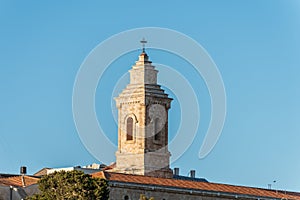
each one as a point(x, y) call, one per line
point(109, 167)
point(42, 171)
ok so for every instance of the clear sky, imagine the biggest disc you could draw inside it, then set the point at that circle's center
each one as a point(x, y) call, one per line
point(255, 44)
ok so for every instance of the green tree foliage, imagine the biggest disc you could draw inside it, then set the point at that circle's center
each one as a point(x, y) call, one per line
point(71, 185)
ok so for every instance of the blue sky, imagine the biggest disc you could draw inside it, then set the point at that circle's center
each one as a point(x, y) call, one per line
point(255, 44)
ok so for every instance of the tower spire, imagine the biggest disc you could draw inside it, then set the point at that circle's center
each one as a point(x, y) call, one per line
point(143, 42)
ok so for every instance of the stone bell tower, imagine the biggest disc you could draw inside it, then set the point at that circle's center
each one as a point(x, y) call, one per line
point(143, 123)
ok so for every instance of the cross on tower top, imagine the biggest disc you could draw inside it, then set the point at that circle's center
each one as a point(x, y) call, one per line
point(143, 42)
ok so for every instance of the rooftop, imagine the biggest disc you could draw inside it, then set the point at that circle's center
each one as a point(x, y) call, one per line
point(195, 185)
point(18, 181)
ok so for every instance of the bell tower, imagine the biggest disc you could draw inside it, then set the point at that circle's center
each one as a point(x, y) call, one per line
point(143, 123)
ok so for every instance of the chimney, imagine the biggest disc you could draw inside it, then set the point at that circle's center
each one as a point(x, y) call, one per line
point(23, 170)
point(193, 173)
point(176, 171)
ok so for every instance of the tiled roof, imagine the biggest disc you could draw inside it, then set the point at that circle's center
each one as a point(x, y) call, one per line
point(42, 172)
point(194, 185)
point(111, 166)
point(18, 182)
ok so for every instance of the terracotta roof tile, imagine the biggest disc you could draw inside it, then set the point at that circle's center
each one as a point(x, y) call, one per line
point(42, 172)
point(187, 184)
point(18, 182)
point(113, 165)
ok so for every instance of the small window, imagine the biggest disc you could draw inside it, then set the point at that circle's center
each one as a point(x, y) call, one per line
point(156, 130)
point(129, 130)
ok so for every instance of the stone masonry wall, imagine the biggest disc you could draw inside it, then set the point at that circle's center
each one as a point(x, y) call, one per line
point(119, 193)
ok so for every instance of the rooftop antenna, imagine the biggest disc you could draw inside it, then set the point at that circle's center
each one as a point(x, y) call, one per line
point(143, 42)
point(276, 187)
point(270, 185)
